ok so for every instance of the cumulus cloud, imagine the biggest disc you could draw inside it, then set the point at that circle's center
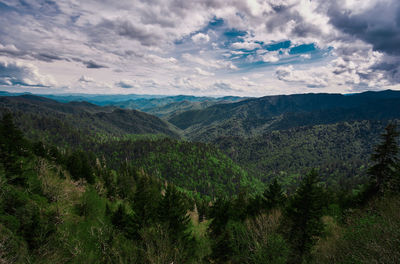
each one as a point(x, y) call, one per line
point(126, 84)
point(93, 65)
point(170, 45)
point(246, 45)
point(270, 57)
point(22, 74)
point(203, 72)
point(200, 38)
point(313, 79)
point(85, 79)
point(9, 49)
point(377, 24)
point(209, 63)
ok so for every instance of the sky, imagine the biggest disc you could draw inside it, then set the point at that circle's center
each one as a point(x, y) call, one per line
point(199, 47)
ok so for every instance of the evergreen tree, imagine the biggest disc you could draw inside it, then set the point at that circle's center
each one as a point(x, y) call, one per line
point(124, 221)
point(79, 166)
point(173, 212)
point(13, 147)
point(304, 218)
point(145, 202)
point(386, 159)
point(274, 196)
point(221, 215)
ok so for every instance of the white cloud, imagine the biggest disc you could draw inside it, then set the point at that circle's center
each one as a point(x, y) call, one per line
point(85, 79)
point(126, 84)
point(22, 74)
point(305, 56)
point(203, 72)
point(246, 45)
point(270, 57)
point(200, 38)
point(159, 46)
point(209, 63)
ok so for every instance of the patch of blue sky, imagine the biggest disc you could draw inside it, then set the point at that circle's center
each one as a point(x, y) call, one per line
point(304, 48)
point(214, 24)
point(6, 8)
point(280, 46)
point(47, 8)
point(314, 55)
point(231, 36)
point(277, 46)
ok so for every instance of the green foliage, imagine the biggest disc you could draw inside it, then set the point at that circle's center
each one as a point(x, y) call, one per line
point(274, 196)
point(79, 166)
point(146, 201)
point(142, 200)
point(12, 248)
point(78, 123)
point(257, 241)
point(341, 152)
point(13, 148)
point(196, 167)
point(369, 235)
point(124, 221)
point(257, 116)
point(173, 212)
point(386, 158)
point(303, 217)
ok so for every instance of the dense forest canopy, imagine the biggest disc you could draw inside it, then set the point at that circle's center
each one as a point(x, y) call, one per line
point(310, 183)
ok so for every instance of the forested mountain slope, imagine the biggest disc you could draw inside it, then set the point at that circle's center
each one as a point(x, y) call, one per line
point(78, 122)
point(69, 207)
point(341, 151)
point(136, 138)
point(255, 116)
point(197, 167)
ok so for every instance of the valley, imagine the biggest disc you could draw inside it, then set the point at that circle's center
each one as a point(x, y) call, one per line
point(202, 174)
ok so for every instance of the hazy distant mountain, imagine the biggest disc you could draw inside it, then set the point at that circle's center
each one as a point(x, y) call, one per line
point(171, 105)
point(159, 105)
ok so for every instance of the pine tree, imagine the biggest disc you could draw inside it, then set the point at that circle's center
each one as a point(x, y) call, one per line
point(221, 214)
point(386, 159)
point(173, 213)
point(145, 202)
point(79, 166)
point(273, 196)
point(13, 146)
point(304, 218)
point(124, 222)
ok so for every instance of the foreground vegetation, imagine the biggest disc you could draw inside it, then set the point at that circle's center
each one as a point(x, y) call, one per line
point(62, 205)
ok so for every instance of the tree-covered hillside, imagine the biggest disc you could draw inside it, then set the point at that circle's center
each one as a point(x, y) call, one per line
point(78, 122)
point(256, 116)
point(196, 167)
point(139, 139)
point(341, 151)
point(73, 207)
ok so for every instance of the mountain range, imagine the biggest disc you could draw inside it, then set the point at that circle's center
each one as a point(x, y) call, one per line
point(273, 136)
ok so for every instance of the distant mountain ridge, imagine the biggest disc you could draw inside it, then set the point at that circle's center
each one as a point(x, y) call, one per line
point(79, 118)
point(255, 116)
point(159, 105)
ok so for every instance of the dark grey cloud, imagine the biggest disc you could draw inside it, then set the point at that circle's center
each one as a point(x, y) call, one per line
point(127, 29)
point(93, 65)
point(47, 57)
point(125, 84)
point(390, 68)
point(287, 13)
point(378, 26)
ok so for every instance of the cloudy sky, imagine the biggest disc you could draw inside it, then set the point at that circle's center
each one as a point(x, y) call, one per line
point(200, 47)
